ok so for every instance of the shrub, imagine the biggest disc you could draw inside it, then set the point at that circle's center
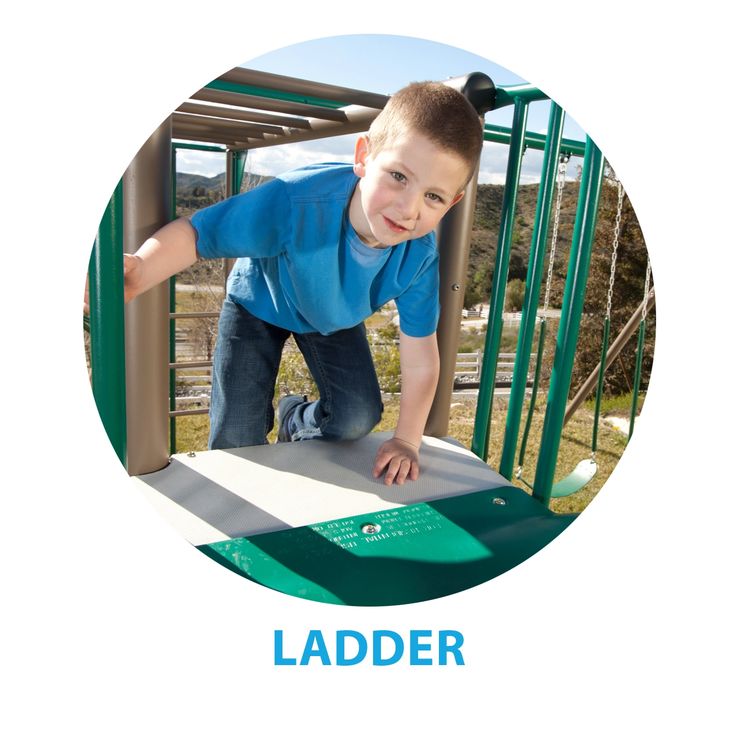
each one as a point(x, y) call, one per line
point(515, 295)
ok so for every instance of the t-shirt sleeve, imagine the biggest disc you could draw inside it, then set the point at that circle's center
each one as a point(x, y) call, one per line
point(253, 224)
point(419, 305)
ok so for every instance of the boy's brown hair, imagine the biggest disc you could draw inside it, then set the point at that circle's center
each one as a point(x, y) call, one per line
point(435, 110)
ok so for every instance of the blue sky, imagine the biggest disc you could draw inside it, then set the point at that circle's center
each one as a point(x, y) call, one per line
point(382, 64)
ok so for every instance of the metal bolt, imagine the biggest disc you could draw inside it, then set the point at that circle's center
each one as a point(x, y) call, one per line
point(499, 501)
point(370, 528)
point(191, 454)
point(456, 287)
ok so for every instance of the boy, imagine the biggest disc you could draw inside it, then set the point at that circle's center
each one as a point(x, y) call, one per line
point(320, 249)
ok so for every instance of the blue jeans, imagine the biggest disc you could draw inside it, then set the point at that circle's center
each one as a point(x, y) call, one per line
point(246, 363)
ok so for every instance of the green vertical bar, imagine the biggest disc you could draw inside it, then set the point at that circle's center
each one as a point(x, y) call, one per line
point(599, 387)
point(238, 169)
point(481, 432)
point(531, 295)
point(637, 377)
point(572, 309)
point(535, 387)
point(107, 325)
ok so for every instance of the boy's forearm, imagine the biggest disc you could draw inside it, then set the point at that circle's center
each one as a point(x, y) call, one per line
point(420, 370)
point(170, 250)
point(418, 385)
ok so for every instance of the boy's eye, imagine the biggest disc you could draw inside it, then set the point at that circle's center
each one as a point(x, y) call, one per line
point(398, 176)
point(435, 197)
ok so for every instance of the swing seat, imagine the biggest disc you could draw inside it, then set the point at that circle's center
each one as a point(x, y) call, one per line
point(576, 480)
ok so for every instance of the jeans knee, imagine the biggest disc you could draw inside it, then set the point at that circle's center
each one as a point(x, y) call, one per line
point(354, 421)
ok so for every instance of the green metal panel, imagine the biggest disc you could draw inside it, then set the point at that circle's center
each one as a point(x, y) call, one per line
point(405, 555)
point(572, 309)
point(533, 285)
point(481, 432)
point(107, 330)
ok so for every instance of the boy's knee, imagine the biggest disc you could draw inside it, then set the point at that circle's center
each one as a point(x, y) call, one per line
point(355, 421)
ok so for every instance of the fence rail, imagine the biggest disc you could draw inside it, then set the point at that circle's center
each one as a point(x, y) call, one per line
point(468, 367)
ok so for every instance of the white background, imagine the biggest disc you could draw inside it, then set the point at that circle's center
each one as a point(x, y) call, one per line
point(112, 624)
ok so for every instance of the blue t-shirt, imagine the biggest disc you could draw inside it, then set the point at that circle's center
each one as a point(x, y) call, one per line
point(301, 265)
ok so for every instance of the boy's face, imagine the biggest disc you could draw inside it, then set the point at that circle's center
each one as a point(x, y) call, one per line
point(404, 190)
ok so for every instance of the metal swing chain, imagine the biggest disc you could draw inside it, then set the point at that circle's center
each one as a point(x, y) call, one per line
point(614, 253)
point(561, 171)
point(611, 280)
point(646, 290)
point(555, 229)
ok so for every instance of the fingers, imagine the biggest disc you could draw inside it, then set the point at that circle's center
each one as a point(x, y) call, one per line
point(399, 469)
point(397, 466)
point(129, 262)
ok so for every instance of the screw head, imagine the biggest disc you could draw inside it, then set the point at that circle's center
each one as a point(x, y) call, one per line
point(370, 528)
point(191, 454)
point(499, 501)
point(456, 287)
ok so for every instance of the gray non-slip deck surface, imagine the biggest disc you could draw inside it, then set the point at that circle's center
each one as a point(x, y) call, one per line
point(219, 494)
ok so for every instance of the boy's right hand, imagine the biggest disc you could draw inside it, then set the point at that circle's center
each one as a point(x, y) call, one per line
point(132, 279)
point(132, 276)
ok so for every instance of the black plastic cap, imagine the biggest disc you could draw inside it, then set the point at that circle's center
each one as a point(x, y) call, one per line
point(478, 88)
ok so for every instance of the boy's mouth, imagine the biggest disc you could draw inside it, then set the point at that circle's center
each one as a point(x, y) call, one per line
point(394, 226)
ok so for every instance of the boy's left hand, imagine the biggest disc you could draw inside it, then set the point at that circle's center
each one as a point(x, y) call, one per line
point(399, 459)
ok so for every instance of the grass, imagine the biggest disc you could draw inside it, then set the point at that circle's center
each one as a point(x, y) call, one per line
point(616, 405)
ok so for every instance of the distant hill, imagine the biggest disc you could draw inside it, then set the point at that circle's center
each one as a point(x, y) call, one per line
point(194, 191)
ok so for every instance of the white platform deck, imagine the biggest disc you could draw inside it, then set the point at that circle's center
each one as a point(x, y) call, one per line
point(221, 494)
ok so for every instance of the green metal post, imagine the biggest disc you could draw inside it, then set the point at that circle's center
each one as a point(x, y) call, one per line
point(107, 331)
point(637, 377)
point(481, 432)
point(533, 284)
point(599, 387)
point(572, 310)
point(535, 388)
point(237, 170)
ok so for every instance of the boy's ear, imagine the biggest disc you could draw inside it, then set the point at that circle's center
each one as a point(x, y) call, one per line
point(361, 153)
point(457, 198)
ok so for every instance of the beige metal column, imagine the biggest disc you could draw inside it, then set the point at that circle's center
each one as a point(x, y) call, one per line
point(229, 165)
point(147, 206)
point(453, 242)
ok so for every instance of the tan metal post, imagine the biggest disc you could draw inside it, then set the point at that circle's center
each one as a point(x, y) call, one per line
point(229, 166)
point(453, 242)
point(146, 208)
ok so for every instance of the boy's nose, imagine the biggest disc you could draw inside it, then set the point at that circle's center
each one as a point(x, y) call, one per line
point(408, 206)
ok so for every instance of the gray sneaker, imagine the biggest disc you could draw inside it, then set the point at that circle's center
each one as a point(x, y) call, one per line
point(285, 409)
